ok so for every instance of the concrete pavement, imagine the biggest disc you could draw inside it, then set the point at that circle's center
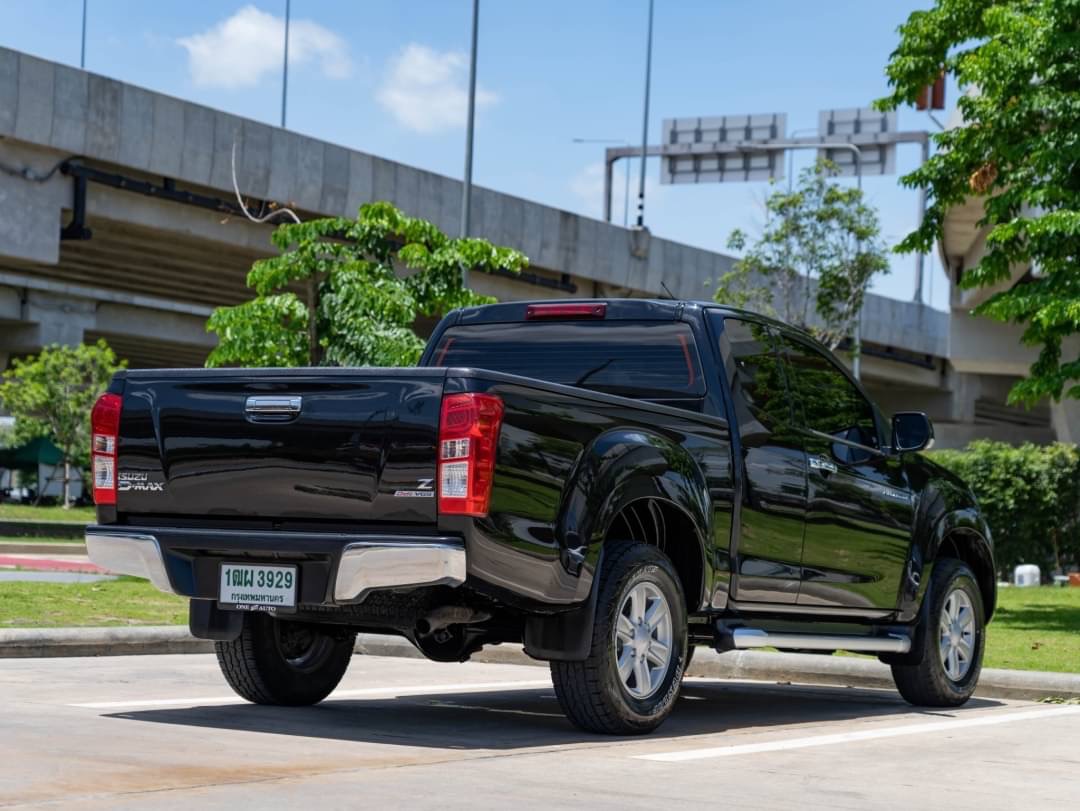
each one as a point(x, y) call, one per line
point(844, 671)
point(165, 732)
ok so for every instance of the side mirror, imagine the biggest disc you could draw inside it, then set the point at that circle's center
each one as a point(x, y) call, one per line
point(912, 431)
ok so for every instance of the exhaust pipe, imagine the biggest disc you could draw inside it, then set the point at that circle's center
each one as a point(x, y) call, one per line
point(445, 616)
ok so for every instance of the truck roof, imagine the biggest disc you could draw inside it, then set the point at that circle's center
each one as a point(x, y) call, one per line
point(618, 309)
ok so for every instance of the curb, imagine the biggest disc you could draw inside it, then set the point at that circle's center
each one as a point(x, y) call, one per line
point(844, 671)
point(26, 643)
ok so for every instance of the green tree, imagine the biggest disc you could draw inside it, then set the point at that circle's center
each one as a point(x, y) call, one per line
point(51, 394)
point(1019, 149)
point(1030, 496)
point(334, 295)
point(820, 233)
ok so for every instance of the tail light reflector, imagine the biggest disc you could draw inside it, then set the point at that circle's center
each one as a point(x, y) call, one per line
point(104, 435)
point(468, 440)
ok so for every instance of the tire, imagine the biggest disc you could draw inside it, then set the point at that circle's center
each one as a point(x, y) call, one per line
point(592, 693)
point(275, 661)
point(947, 679)
point(689, 658)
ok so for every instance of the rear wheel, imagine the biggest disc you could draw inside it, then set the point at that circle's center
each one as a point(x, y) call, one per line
point(630, 680)
point(280, 662)
point(952, 641)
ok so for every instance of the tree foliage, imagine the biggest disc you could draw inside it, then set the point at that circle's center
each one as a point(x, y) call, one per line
point(51, 394)
point(334, 295)
point(1020, 148)
point(821, 245)
point(1030, 496)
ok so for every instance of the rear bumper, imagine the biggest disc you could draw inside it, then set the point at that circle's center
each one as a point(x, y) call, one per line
point(335, 568)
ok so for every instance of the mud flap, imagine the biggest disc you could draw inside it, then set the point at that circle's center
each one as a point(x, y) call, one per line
point(207, 621)
point(566, 636)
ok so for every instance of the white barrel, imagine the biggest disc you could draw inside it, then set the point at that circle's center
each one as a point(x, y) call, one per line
point(1026, 574)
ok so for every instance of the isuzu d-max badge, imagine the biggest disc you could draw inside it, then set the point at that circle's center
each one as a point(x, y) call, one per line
point(137, 481)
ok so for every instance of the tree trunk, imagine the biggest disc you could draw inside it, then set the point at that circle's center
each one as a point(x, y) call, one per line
point(314, 350)
point(67, 483)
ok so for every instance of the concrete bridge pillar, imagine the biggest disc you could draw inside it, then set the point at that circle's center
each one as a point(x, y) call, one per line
point(1065, 417)
point(30, 206)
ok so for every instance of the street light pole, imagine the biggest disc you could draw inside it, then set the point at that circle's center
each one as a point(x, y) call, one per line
point(626, 186)
point(791, 154)
point(285, 64)
point(82, 52)
point(919, 258)
point(466, 191)
point(645, 123)
point(856, 338)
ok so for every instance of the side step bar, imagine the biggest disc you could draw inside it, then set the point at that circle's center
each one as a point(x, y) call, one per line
point(743, 638)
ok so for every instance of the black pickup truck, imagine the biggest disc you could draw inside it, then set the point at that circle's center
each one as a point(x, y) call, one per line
point(609, 483)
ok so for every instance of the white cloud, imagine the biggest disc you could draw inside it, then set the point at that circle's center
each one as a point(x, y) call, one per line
point(427, 90)
point(588, 186)
point(245, 48)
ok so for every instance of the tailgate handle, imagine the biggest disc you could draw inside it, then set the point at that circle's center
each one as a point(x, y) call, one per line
point(265, 406)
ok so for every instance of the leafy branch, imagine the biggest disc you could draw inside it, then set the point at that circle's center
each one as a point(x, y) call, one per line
point(348, 292)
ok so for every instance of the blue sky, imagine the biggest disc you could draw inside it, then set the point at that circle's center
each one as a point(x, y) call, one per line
point(388, 78)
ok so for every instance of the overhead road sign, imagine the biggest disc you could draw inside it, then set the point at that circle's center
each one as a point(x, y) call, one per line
point(703, 158)
point(869, 129)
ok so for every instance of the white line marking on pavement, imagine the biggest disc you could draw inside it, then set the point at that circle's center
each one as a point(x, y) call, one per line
point(369, 692)
point(848, 737)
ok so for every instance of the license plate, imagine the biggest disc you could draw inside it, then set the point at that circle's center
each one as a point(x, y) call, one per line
point(257, 587)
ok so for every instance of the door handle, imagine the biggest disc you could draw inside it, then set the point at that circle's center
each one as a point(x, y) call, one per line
point(822, 464)
point(270, 406)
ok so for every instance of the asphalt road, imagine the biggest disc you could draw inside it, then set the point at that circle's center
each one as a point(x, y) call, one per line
point(165, 732)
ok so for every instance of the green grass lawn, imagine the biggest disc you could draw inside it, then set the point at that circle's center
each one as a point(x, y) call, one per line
point(125, 601)
point(1035, 629)
point(28, 512)
point(34, 539)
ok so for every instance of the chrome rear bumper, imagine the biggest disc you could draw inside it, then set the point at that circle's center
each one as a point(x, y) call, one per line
point(135, 554)
point(362, 565)
point(368, 566)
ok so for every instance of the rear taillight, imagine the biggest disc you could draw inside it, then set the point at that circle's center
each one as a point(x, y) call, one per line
point(104, 434)
point(468, 439)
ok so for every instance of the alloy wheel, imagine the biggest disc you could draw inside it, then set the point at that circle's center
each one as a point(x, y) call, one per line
point(643, 640)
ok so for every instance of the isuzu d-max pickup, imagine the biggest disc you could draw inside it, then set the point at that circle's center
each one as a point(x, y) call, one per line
point(607, 482)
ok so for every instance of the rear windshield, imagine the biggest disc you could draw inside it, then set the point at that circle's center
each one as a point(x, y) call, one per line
point(643, 359)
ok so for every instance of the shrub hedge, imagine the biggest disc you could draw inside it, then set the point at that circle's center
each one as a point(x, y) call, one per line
point(1030, 496)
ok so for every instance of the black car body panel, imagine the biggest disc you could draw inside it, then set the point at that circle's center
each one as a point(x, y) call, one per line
point(693, 431)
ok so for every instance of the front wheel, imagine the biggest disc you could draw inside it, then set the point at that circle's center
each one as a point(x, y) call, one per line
point(952, 641)
point(630, 680)
point(280, 662)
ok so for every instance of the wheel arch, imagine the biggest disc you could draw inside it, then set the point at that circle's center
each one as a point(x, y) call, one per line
point(625, 478)
point(625, 466)
point(967, 545)
point(667, 526)
point(962, 534)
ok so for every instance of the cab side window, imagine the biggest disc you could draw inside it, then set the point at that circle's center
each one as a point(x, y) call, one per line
point(758, 375)
point(829, 403)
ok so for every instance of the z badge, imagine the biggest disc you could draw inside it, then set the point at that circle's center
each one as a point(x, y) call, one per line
point(424, 489)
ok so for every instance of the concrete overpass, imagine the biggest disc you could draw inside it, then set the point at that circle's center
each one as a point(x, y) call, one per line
point(117, 221)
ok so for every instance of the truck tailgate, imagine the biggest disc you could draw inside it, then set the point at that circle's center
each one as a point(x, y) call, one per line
point(339, 445)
